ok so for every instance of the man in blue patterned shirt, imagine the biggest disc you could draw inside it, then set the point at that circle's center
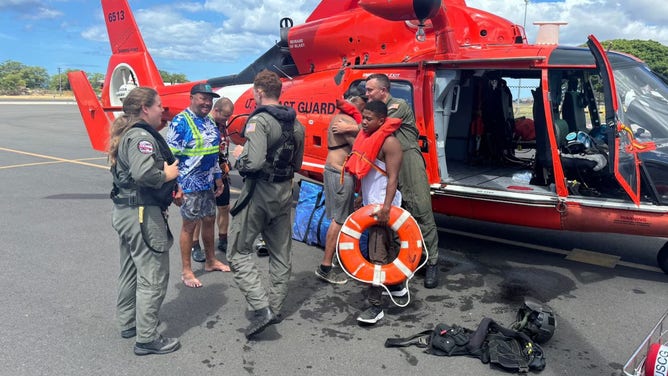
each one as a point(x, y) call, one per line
point(194, 137)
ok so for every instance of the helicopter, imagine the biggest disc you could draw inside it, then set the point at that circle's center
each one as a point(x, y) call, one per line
point(575, 156)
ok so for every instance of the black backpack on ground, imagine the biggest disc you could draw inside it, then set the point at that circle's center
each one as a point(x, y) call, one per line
point(492, 343)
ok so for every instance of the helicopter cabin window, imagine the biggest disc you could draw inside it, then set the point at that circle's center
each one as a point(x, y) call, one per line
point(398, 89)
point(402, 90)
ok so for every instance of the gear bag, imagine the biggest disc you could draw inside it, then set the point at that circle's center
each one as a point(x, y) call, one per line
point(492, 343)
point(310, 225)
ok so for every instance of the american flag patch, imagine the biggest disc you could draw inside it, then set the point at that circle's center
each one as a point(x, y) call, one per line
point(145, 147)
point(393, 106)
point(250, 127)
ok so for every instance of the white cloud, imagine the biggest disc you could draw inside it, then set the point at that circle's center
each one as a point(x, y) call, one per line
point(606, 19)
point(30, 9)
point(96, 33)
point(234, 30)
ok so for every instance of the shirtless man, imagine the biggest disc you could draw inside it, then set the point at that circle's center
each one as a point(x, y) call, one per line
point(339, 197)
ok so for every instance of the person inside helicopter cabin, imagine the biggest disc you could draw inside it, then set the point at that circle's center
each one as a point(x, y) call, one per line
point(498, 118)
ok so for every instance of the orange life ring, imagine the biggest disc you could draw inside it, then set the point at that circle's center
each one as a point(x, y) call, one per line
point(358, 267)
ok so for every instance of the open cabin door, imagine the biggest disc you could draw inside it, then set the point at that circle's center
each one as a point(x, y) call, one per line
point(623, 156)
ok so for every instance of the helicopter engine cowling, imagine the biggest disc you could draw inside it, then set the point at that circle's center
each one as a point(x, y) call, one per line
point(402, 10)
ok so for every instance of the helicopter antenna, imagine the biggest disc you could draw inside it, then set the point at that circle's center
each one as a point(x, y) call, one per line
point(548, 31)
point(280, 70)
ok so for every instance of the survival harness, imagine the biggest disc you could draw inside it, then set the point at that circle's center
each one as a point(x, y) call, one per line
point(491, 343)
point(145, 196)
point(280, 155)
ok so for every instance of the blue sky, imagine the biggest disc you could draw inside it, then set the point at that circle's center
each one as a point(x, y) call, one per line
point(209, 38)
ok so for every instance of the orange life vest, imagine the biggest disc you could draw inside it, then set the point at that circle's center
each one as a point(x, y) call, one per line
point(349, 109)
point(366, 148)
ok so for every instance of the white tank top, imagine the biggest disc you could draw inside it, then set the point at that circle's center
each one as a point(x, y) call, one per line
point(374, 186)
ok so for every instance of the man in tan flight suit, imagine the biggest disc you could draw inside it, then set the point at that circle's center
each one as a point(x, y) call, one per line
point(413, 182)
point(273, 152)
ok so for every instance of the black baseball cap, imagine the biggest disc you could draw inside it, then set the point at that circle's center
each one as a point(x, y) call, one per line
point(204, 89)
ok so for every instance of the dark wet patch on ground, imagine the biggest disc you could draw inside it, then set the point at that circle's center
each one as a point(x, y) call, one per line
point(211, 323)
point(437, 298)
point(465, 303)
point(410, 317)
point(331, 333)
point(410, 358)
point(461, 282)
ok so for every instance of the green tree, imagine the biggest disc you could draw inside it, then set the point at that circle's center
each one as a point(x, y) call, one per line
point(172, 78)
point(12, 84)
point(35, 77)
point(10, 66)
point(653, 53)
point(31, 77)
point(96, 81)
point(59, 82)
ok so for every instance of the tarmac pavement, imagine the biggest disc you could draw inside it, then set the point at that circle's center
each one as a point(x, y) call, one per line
point(60, 266)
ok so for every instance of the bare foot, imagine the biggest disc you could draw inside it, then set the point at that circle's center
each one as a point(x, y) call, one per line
point(216, 266)
point(190, 280)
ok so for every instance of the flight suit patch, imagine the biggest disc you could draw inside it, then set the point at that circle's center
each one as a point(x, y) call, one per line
point(250, 127)
point(393, 106)
point(145, 147)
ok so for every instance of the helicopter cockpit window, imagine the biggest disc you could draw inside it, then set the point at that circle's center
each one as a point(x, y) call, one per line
point(578, 106)
point(644, 102)
point(643, 98)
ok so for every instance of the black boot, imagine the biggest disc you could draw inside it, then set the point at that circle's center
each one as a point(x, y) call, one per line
point(431, 276)
point(262, 318)
point(160, 345)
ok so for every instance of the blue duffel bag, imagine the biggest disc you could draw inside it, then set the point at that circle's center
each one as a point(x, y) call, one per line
point(310, 224)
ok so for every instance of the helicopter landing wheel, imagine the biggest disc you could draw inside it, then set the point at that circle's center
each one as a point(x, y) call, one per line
point(662, 258)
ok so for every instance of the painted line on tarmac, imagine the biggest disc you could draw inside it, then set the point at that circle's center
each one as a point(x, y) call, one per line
point(56, 159)
point(545, 249)
point(63, 160)
point(36, 102)
point(29, 164)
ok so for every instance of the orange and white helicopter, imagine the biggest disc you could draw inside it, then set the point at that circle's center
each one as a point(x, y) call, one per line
point(589, 153)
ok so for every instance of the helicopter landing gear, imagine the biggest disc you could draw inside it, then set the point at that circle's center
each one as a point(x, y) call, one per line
point(662, 258)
